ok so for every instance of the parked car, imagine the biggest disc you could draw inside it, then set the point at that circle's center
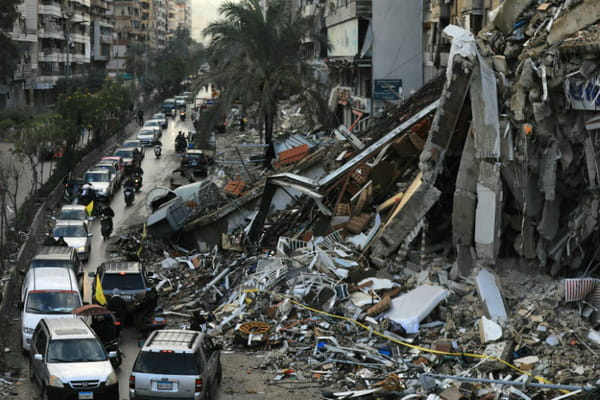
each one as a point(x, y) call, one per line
point(196, 161)
point(59, 257)
point(46, 292)
point(72, 212)
point(120, 162)
point(147, 136)
point(176, 364)
point(162, 118)
point(103, 182)
point(130, 156)
point(68, 361)
point(136, 144)
point(124, 284)
point(75, 233)
point(113, 167)
point(154, 123)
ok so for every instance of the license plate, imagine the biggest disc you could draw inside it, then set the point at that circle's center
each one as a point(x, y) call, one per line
point(164, 385)
point(86, 395)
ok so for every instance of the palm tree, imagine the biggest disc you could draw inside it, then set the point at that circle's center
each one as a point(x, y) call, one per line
point(255, 54)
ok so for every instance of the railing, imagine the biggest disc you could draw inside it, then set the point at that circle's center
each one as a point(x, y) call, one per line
point(50, 9)
point(354, 9)
point(24, 35)
point(54, 56)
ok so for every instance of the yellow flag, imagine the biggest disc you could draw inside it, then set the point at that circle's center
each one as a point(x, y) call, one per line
point(90, 208)
point(99, 294)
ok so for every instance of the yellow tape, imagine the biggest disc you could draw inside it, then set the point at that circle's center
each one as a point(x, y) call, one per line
point(400, 342)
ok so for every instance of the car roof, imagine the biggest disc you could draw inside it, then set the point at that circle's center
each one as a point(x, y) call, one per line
point(147, 129)
point(183, 340)
point(115, 267)
point(68, 328)
point(112, 158)
point(97, 170)
point(124, 149)
point(152, 120)
point(131, 141)
point(52, 278)
point(46, 251)
point(107, 163)
point(77, 207)
point(69, 222)
point(161, 115)
point(194, 151)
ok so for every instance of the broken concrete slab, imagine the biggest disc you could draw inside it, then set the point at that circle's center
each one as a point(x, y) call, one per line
point(580, 16)
point(489, 292)
point(508, 13)
point(411, 308)
point(488, 214)
point(489, 331)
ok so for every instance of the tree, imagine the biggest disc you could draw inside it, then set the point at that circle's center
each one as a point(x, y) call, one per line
point(258, 54)
point(8, 49)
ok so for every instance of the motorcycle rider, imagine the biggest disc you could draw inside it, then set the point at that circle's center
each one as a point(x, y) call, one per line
point(107, 214)
point(105, 328)
point(145, 308)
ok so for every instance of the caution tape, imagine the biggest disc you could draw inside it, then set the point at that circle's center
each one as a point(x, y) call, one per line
point(403, 343)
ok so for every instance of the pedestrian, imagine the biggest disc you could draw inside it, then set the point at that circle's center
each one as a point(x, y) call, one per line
point(140, 115)
point(243, 124)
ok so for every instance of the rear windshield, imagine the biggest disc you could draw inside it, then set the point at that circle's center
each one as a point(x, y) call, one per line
point(47, 302)
point(72, 214)
point(51, 263)
point(124, 282)
point(95, 177)
point(164, 362)
point(124, 153)
point(69, 231)
point(80, 350)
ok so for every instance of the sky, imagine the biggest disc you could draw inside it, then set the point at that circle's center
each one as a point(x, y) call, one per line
point(203, 12)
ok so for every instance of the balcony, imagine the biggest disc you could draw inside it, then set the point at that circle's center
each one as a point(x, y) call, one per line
point(106, 38)
point(24, 35)
point(354, 9)
point(52, 56)
point(80, 58)
point(22, 71)
point(50, 9)
point(80, 38)
point(100, 4)
point(51, 33)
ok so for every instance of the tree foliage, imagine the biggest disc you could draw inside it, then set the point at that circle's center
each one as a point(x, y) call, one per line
point(256, 54)
point(8, 49)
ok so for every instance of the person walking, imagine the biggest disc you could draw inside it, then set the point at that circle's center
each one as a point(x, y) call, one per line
point(140, 115)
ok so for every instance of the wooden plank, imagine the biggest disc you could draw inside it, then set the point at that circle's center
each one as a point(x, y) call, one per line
point(390, 202)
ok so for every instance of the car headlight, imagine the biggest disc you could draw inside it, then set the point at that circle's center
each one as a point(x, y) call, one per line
point(28, 331)
point(112, 379)
point(81, 249)
point(54, 381)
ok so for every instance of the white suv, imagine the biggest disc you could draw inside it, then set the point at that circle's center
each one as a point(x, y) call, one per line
point(176, 364)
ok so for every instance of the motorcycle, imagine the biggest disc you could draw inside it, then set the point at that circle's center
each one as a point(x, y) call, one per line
point(137, 182)
point(180, 145)
point(113, 345)
point(106, 226)
point(157, 151)
point(182, 115)
point(129, 195)
point(151, 321)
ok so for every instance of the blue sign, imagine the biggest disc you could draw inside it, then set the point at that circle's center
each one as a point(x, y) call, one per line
point(387, 89)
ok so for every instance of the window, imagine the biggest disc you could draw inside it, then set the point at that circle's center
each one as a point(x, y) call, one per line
point(123, 282)
point(84, 350)
point(167, 362)
point(40, 341)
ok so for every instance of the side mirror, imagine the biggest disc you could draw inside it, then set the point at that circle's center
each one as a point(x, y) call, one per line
point(90, 234)
point(53, 218)
point(38, 357)
point(112, 354)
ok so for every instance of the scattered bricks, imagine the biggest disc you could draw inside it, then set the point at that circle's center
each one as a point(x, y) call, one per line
point(380, 307)
point(292, 155)
point(235, 188)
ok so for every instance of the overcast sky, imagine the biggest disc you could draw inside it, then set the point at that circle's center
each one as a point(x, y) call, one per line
point(203, 12)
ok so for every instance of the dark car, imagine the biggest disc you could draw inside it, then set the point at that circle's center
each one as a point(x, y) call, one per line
point(124, 285)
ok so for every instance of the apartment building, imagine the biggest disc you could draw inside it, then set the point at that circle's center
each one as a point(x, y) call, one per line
point(101, 33)
point(127, 16)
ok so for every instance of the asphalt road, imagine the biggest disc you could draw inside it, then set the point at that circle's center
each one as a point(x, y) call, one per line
point(156, 172)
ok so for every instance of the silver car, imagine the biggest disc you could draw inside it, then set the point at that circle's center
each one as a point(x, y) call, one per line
point(162, 118)
point(155, 124)
point(103, 183)
point(72, 212)
point(75, 233)
point(136, 144)
point(69, 362)
point(176, 364)
point(147, 136)
point(113, 167)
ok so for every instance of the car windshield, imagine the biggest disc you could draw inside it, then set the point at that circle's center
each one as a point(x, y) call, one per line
point(165, 362)
point(79, 350)
point(72, 214)
point(69, 231)
point(122, 281)
point(52, 302)
point(131, 144)
point(96, 177)
point(108, 167)
point(124, 153)
point(51, 263)
point(151, 123)
point(158, 116)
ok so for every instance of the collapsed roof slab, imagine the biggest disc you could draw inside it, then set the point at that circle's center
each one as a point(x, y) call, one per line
point(315, 188)
point(580, 16)
point(508, 14)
